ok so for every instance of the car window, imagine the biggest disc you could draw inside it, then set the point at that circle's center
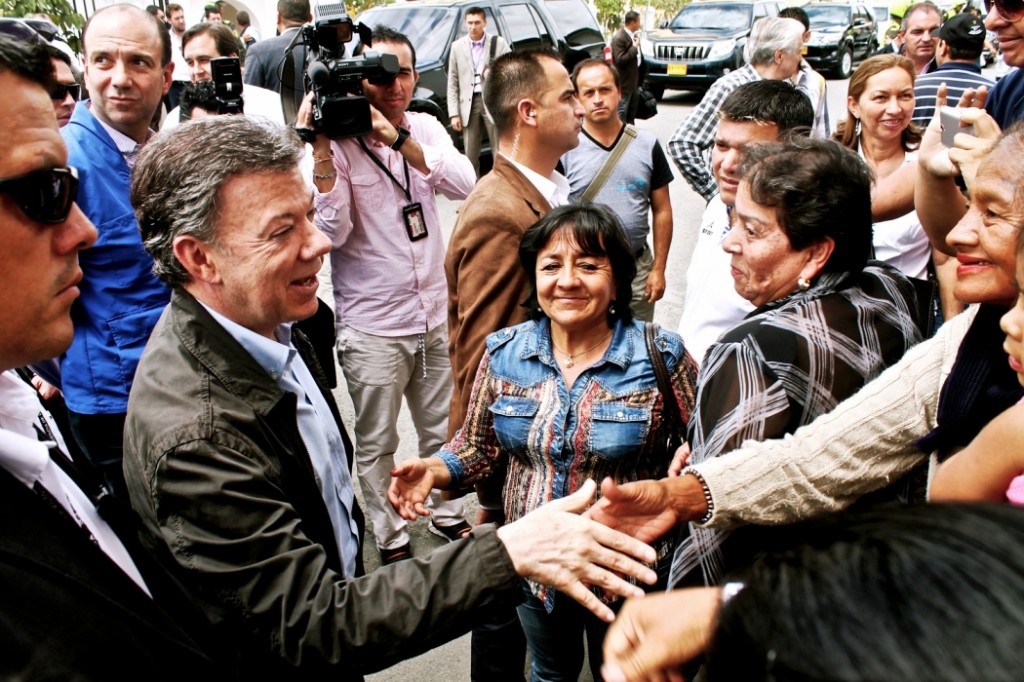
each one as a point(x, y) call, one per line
point(714, 17)
point(760, 11)
point(525, 29)
point(429, 29)
point(827, 15)
point(575, 22)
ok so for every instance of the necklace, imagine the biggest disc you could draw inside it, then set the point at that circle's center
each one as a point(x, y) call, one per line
point(569, 362)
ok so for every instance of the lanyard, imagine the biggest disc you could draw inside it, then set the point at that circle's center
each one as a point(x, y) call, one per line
point(373, 157)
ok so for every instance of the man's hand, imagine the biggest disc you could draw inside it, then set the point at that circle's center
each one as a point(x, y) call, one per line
point(655, 288)
point(555, 546)
point(640, 509)
point(654, 636)
point(46, 390)
point(457, 123)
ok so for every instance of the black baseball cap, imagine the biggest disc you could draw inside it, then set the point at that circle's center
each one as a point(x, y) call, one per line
point(962, 31)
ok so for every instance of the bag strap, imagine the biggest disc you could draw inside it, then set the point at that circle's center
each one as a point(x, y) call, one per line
point(625, 139)
point(494, 48)
point(670, 410)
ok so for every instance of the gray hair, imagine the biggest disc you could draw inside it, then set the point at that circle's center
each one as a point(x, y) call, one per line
point(925, 6)
point(177, 180)
point(771, 34)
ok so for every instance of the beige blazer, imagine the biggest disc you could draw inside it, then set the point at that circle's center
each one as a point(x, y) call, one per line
point(461, 71)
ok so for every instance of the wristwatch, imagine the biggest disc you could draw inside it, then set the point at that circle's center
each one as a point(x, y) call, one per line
point(403, 135)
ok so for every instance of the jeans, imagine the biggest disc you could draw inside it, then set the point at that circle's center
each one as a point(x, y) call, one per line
point(555, 639)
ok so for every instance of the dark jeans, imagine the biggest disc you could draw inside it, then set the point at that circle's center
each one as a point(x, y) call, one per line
point(101, 438)
point(498, 647)
point(556, 639)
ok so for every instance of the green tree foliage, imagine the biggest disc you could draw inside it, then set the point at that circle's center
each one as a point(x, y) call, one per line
point(60, 12)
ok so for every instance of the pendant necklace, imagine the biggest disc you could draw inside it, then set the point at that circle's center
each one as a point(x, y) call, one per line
point(569, 356)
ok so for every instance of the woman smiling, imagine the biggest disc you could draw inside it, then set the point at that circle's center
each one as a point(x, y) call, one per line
point(827, 320)
point(570, 395)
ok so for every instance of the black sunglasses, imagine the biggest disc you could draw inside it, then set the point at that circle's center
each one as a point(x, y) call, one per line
point(1011, 10)
point(60, 91)
point(45, 196)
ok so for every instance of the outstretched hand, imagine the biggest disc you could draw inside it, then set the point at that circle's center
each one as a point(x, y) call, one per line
point(640, 509)
point(653, 637)
point(411, 483)
point(555, 546)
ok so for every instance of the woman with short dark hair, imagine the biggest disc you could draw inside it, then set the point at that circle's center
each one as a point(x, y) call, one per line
point(827, 320)
point(570, 395)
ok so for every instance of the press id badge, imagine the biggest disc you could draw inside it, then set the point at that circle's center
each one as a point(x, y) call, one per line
point(415, 225)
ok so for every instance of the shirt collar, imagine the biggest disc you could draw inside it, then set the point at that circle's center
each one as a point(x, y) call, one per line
point(124, 144)
point(25, 458)
point(275, 357)
point(555, 188)
point(619, 352)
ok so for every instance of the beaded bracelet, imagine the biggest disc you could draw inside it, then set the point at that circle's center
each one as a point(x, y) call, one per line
point(707, 494)
point(328, 176)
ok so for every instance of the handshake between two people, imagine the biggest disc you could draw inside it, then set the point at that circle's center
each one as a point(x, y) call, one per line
point(569, 543)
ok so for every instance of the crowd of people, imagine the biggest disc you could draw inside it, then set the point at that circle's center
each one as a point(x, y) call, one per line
point(178, 484)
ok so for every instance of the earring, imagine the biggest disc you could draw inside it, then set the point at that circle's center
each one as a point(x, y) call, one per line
point(856, 129)
point(611, 309)
point(803, 283)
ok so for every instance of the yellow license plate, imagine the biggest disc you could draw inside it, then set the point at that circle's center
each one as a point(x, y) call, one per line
point(677, 69)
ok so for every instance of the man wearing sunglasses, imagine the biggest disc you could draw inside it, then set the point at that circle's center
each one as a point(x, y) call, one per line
point(128, 69)
point(66, 92)
point(1005, 19)
point(82, 599)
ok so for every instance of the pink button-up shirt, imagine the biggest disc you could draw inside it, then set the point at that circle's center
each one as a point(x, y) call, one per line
point(384, 283)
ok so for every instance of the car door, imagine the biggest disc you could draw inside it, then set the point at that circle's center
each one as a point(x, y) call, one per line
point(524, 28)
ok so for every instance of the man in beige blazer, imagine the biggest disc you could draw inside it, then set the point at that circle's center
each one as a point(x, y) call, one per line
point(470, 58)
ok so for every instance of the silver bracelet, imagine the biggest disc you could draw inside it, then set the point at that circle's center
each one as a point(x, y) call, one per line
point(327, 176)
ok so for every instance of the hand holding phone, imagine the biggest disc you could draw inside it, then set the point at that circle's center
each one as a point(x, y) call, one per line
point(949, 117)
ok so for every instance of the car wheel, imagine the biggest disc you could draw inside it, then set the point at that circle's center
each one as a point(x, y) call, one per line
point(844, 63)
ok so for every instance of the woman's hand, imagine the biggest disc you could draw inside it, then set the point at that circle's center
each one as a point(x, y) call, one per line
point(411, 483)
point(679, 460)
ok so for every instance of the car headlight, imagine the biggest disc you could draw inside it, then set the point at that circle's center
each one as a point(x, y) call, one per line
point(823, 38)
point(722, 48)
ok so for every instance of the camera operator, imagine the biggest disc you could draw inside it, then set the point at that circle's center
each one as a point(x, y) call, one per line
point(376, 203)
point(205, 42)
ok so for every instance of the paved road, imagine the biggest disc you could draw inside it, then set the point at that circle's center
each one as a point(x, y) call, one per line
point(450, 663)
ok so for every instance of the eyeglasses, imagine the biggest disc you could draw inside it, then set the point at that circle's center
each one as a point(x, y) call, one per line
point(1011, 10)
point(60, 91)
point(45, 196)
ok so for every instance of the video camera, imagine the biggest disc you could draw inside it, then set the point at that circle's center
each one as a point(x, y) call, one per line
point(227, 82)
point(339, 109)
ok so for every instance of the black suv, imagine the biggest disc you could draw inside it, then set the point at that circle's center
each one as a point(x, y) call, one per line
point(565, 26)
point(840, 32)
point(703, 43)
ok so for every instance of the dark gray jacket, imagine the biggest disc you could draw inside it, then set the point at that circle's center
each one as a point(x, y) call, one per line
point(217, 469)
